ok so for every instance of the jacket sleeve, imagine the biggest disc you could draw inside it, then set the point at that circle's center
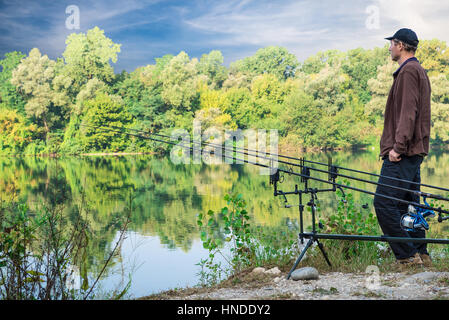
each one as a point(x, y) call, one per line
point(407, 97)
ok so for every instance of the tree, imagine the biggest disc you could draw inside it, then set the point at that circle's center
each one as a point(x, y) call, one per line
point(379, 88)
point(211, 65)
point(104, 110)
point(361, 65)
point(273, 60)
point(267, 87)
point(440, 109)
point(317, 62)
point(237, 79)
point(433, 56)
point(141, 93)
point(87, 56)
point(214, 117)
point(88, 92)
point(240, 105)
point(179, 82)
point(302, 119)
point(210, 98)
point(8, 92)
point(150, 75)
point(328, 88)
point(15, 132)
point(35, 78)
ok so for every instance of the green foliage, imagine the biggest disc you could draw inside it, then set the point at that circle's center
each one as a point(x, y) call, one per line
point(87, 56)
point(440, 109)
point(43, 252)
point(239, 104)
point(211, 65)
point(35, 78)
point(352, 218)
point(35, 253)
point(333, 99)
point(8, 94)
point(316, 63)
point(179, 81)
point(104, 110)
point(141, 93)
point(15, 132)
point(229, 234)
point(236, 232)
point(434, 56)
point(273, 60)
point(361, 65)
point(379, 87)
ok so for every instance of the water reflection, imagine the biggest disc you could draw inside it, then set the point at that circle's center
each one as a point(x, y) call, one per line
point(167, 198)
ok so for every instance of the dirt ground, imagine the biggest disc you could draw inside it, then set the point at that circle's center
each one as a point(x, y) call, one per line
point(415, 284)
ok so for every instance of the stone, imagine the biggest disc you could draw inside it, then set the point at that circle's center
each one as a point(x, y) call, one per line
point(422, 277)
point(306, 273)
point(274, 271)
point(258, 270)
point(425, 276)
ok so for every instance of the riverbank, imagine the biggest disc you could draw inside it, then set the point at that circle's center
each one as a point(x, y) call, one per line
point(413, 284)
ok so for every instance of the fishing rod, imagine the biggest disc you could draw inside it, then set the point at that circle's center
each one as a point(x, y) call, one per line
point(294, 164)
point(333, 169)
point(303, 174)
point(413, 220)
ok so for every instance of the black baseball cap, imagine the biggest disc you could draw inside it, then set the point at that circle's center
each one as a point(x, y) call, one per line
point(407, 36)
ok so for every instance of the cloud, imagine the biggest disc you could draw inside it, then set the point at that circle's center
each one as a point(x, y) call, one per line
point(245, 23)
point(152, 28)
point(303, 27)
point(427, 18)
point(306, 27)
point(33, 24)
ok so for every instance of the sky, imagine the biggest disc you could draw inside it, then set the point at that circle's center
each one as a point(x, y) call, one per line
point(152, 28)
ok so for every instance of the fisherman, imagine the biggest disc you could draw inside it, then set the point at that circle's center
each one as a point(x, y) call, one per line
point(403, 145)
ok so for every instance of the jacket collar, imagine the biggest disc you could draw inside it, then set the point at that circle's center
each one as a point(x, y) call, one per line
point(403, 64)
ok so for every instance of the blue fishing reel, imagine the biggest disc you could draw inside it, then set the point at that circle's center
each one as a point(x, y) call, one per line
point(415, 218)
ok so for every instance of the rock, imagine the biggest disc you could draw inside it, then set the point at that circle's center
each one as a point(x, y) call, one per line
point(306, 273)
point(258, 270)
point(422, 277)
point(274, 271)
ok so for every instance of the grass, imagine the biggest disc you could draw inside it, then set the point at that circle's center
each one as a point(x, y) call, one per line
point(245, 279)
point(443, 281)
point(323, 291)
point(369, 294)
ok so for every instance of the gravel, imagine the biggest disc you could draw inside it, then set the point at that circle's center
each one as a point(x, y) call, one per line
point(341, 286)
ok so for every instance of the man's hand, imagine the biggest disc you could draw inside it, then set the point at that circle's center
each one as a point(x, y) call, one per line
point(393, 156)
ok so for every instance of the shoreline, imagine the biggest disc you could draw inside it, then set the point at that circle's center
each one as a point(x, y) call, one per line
point(412, 284)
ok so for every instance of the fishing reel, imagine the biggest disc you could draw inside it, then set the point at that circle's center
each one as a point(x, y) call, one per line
point(415, 218)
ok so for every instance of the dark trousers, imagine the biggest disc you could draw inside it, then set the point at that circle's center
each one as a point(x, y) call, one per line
point(389, 212)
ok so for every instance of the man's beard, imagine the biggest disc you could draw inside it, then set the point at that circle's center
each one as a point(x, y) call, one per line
point(395, 58)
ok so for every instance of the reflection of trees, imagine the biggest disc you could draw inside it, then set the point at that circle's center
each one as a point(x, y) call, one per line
point(167, 197)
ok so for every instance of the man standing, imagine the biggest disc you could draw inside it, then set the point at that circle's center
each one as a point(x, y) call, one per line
point(404, 144)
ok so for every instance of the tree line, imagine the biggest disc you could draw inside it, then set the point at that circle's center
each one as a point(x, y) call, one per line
point(333, 99)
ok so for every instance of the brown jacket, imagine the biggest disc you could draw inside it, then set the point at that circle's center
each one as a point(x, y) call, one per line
point(407, 113)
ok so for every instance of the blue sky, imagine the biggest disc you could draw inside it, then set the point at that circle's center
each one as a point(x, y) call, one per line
point(152, 28)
